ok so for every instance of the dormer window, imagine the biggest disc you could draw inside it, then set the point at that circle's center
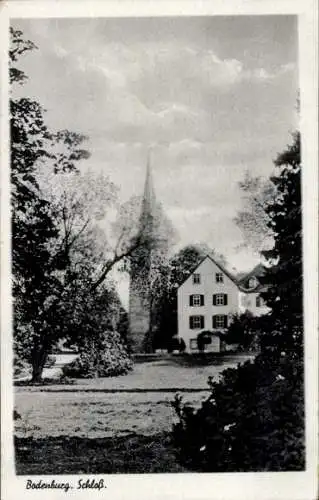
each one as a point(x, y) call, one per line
point(259, 301)
point(219, 278)
point(252, 283)
point(196, 279)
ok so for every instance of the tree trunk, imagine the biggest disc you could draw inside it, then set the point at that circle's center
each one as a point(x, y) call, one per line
point(38, 361)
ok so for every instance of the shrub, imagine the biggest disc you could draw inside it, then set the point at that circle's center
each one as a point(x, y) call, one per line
point(21, 368)
point(103, 356)
point(252, 421)
point(245, 330)
point(176, 344)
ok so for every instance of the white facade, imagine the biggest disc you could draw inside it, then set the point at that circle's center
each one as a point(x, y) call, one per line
point(212, 281)
point(252, 302)
point(208, 299)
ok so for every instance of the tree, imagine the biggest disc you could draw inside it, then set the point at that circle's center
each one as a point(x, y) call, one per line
point(61, 255)
point(285, 276)
point(253, 220)
point(244, 330)
point(82, 203)
point(98, 331)
point(33, 221)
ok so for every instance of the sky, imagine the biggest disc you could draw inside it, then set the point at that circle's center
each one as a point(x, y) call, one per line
point(211, 96)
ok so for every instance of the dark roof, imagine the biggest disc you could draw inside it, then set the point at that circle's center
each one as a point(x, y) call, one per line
point(257, 273)
point(240, 276)
point(221, 267)
point(259, 288)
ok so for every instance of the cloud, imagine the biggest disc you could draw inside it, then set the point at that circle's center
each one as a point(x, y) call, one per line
point(261, 74)
point(156, 91)
point(152, 92)
point(213, 102)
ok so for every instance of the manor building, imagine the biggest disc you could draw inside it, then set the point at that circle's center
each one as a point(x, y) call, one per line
point(206, 300)
point(210, 296)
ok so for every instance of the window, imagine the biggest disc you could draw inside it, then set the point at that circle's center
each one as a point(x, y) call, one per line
point(220, 299)
point(252, 283)
point(196, 279)
point(259, 302)
point(219, 278)
point(196, 300)
point(220, 321)
point(196, 322)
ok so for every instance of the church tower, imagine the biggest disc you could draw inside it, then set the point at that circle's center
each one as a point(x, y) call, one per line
point(140, 300)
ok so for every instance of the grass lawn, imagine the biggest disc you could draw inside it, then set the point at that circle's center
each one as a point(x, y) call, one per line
point(75, 455)
point(94, 415)
point(187, 372)
point(90, 427)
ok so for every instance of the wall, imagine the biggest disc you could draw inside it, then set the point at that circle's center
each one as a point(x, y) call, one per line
point(139, 317)
point(207, 287)
point(247, 302)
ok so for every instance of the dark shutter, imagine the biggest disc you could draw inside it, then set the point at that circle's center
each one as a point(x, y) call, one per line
point(191, 322)
point(214, 321)
point(202, 300)
point(214, 300)
point(225, 321)
point(191, 300)
point(225, 299)
point(202, 322)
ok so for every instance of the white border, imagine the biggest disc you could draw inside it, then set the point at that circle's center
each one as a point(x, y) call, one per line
point(283, 485)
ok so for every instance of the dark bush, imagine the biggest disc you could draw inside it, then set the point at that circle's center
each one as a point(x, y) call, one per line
point(176, 344)
point(245, 330)
point(252, 421)
point(103, 356)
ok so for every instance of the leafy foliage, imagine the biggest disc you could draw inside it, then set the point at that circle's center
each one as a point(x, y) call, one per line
point(253, 220)
point(102, 355)
point(244, 330)
point(56, 259)
point(252, 421)
point(284, 296)
point(18, 47)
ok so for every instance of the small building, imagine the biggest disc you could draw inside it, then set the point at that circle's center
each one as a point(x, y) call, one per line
point(251, 289)
point(208, 299)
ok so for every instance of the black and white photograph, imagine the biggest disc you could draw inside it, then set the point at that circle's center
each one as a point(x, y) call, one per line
point(158, 240)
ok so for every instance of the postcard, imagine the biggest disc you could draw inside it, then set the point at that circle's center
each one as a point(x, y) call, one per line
point(159, 272)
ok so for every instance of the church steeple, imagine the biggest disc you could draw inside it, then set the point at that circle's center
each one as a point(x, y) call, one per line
point(139, 298)
point(154, 234)
point(149, 194)
point(148, 207)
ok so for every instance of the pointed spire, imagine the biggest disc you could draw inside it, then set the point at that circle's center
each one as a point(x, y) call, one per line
point(149, 193)
point(148, 208)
